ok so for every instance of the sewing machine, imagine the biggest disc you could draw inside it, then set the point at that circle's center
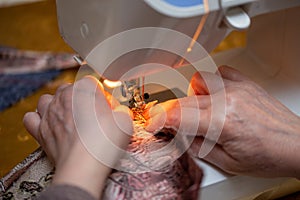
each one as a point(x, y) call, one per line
point(271, 57)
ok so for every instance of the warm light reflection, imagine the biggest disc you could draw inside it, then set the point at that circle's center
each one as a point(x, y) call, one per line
point(112, 84)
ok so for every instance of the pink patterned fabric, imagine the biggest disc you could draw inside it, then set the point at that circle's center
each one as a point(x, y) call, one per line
point(158, 175)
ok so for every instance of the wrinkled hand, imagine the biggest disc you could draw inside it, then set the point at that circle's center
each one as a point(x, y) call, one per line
point(54, 127)
point(260, 136)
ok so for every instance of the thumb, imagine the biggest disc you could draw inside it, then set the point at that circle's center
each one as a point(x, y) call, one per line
point(186, 120)
point(122, 116)
point(231, 74)
point(97, 125)
point(205, 83)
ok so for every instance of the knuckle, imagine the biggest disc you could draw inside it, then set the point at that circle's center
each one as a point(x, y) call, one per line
point(173, 117)
point(236, 94)
point(42, 99)
point(63, 87)
point(231, 97)
point(43, 131)
point(65, 96)
point(249, 86)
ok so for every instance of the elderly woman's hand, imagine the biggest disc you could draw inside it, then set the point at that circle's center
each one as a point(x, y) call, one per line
point(260, 136)
point(64, 124)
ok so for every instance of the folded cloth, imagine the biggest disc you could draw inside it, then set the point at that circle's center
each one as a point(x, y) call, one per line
point(15, 61)
point(18, 86)
point(23, 71)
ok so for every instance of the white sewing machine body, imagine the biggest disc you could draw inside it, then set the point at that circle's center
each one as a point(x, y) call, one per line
point(271, 57)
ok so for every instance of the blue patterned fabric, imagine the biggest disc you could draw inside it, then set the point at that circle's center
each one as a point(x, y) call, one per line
point(15, 87)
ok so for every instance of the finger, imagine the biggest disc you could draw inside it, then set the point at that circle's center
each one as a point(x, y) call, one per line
point(124, 109)
point(32, 122)
point(162, 107)
point(147, 109)
point(62, 87)
point(157, 123)
point(123, 122)
point(199, 101)
point(195, 146)
point(106, 129)
point(118, 132)
point(205, 83)
point(209, 119)
point(88, 94)
point(113, 102)
point(220, 158)
point(189, 121)
point(90, 100)
point(231, 73)
point(43, 103)
point(216, 156)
